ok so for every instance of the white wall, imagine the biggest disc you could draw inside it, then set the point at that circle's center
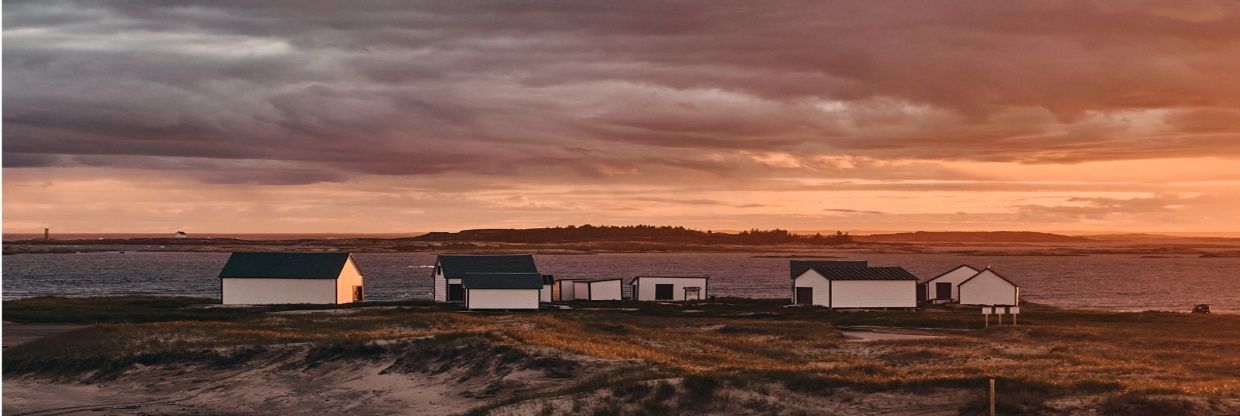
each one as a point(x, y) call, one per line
point(644, 290)
point(814, 280)
point(988, 289)
point(501, 298)
point(441, 287)
point(581, 290)
point(954, 277)
point(607, 290)
point(250, 291)
point(350, 276)
point(544, 295)
point(873, 294)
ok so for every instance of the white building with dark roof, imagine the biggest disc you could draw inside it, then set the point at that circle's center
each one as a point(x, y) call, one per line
point(450, 269)
point(851, 284)
point(277, 278)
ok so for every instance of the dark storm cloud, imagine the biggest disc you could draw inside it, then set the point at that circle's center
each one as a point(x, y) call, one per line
point(328, 90)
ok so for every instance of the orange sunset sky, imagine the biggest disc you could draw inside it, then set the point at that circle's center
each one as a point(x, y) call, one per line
point(1077, 116)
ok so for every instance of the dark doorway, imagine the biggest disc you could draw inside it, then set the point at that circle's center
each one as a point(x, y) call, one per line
point(663, 291)
point(456, 293)
point(805, 296)
point(358, 294)
point(942, 290)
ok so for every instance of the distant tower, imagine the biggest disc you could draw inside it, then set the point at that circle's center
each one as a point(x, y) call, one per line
point(47, 233)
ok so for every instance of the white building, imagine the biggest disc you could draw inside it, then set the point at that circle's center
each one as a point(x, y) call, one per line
point(670, 288)
point(274, 278)
point(449, 269)
point(942, 288)
point(854, 286)
point(502, 290)
point(598, 289)
point(988, 288)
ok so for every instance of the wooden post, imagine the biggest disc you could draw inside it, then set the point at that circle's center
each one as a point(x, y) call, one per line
point(992, 397)
point(987, 316)
point(1000, 315)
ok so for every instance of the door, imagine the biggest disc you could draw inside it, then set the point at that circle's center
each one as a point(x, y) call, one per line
point(358, 294)
point(942, 290)
point(805, 296)
point(456, 293)
point(663, 291)
point(693, 293)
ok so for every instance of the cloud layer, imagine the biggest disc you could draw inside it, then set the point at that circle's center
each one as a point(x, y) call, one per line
point(551, 95)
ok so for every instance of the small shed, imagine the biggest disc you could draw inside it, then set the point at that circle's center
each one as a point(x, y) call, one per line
point(850, 286)
point(670, 288)
point(502, 290)
point(450, 268)
point(988, 287)
point(279, 278)
point(598, 289)
point(942, 288)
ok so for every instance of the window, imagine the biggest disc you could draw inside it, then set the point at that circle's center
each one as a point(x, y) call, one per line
point(359, 294)
point(663, 291)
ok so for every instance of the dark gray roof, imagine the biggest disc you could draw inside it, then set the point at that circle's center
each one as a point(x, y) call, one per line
point(502, 281)
point(285, 265)
point(548, 279)
point(865, 273)
point(800, 266)
point(457, 266)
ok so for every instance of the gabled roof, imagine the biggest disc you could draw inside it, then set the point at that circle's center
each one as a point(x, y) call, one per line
point(457, 266)
point(635, 279)
point(798, 267)
point(864, 273)
point(992, 272)
point(974, 269)
point(285, 265)
point(502, 281)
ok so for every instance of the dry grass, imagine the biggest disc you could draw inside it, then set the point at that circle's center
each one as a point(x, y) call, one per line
point(1052, 354)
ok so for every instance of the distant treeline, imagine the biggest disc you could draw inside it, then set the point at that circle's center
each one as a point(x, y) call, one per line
point(651, 233)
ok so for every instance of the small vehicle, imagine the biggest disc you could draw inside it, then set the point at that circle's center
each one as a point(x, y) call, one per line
point(1201, 308)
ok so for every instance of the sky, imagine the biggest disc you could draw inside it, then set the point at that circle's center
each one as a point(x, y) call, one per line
point(406, 116)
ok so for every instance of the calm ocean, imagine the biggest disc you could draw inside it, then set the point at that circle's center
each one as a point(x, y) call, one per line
point(1107, 282)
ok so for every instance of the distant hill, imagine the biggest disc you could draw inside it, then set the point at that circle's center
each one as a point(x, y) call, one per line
point(633, 233)
point(972, 237)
